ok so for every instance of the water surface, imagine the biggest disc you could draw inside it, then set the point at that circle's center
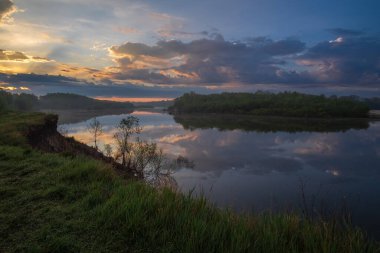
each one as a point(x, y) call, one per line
point(260, 163)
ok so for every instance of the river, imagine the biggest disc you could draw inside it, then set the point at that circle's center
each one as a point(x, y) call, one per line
point(255, 164)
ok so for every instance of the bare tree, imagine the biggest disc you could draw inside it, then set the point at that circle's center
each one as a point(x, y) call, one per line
point(126, 128)
point(108, 150)
point(96, 129)
point(145, 158)
point(150, 163)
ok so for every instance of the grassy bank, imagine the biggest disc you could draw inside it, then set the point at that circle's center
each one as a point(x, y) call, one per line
point(58, 203)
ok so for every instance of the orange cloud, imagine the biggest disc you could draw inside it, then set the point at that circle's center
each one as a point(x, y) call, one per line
point(8, 88)
point(174, 138)
point(173, 73)
point(14, 56)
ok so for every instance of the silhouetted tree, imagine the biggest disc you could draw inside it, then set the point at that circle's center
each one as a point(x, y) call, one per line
point(96, 129)
point(108, 150)
point(125, 129)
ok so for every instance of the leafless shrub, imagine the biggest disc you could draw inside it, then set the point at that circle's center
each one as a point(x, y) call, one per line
point(126, 128)
point(108, 150)
point(96, 129)
point(144, 158)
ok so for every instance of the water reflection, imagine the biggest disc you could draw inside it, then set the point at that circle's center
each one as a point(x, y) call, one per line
point(76, 116)
point(259, 166)
point(268, 124)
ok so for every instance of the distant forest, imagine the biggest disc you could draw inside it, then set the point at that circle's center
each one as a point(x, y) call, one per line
point(373, 103)
point(290, 104)
point(55, 101)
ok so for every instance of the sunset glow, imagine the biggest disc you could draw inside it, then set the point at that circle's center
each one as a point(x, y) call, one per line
point(160, 50)
point(134, 100)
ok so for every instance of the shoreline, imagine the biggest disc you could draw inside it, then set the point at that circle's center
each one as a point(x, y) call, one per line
point(74, 203)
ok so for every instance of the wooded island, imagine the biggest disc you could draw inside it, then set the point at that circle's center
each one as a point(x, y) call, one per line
point(289, 104)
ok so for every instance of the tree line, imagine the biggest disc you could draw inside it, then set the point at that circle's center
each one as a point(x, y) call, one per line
point(290, 104)
point(55, 101)
point(17, 102)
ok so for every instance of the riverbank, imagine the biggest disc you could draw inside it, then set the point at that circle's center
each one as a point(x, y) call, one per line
point(375, 114)
point(57, 202)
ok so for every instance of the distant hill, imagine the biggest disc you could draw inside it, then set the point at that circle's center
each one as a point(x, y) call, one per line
point(56, 101)
point(18, 102)
point(68, 101)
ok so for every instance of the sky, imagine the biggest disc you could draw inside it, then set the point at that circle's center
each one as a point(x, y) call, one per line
point(163, 48)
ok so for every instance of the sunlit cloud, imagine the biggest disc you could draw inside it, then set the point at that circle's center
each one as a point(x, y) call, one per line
point(320, 144)
point(8, 88)
point(174, 138)
point(13, 56)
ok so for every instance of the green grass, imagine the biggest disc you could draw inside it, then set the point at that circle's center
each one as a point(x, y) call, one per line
point(54, 203)
point(13, 126)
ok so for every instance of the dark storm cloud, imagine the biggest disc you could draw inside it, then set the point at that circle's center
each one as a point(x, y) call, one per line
point(352, 60)
point(345, 32)
point(163, 49)
point(277, 48)
point(42, 84)
point(144, 75)
point(35, 79)
point(6, 7)
point(208, 60)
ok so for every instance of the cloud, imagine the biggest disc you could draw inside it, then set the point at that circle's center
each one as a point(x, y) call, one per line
point(170, 34)
point(35, 79)
point(345, 32)
point(14, 56)
point(126, 30)
point(346, 60)
point(42, 84)
point(7, 8)
point(277, 48)
point(349, 60)
point(207, 60)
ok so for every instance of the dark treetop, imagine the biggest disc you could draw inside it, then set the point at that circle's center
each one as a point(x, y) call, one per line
point(290, 104)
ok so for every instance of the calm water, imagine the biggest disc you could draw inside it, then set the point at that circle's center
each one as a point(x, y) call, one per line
point(259, 164)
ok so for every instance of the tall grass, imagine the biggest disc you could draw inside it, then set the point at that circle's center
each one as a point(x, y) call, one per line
point(57, 203)
point(53, 203)
point(14, 125)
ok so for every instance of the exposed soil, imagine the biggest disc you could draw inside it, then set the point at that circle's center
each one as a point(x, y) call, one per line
point(46, 137)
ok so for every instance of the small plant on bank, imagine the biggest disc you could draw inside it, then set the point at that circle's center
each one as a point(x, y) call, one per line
point(145, 159)
point(126, 128)
point(108, 150)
